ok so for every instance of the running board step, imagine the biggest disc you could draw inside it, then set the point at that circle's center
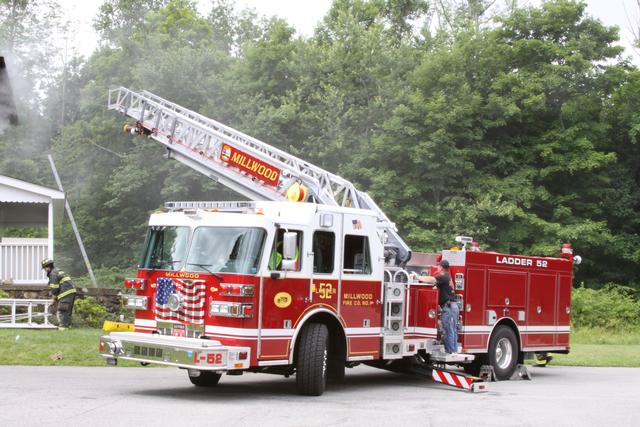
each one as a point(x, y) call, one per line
point(441, 357)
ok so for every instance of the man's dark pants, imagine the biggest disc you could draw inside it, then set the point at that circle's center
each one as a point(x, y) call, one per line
point(65, 310)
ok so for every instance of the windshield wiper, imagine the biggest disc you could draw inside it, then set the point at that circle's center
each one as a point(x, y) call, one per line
point(217, 276)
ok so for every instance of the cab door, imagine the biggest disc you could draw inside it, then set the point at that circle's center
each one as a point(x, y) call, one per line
point(325, 281)
point(361, 291)
point(285, 294)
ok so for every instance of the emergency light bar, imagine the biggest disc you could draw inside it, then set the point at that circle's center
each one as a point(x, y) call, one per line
point(222, 206)
point(137, 284)
point(230, 290)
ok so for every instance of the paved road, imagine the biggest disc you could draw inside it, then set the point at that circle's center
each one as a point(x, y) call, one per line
point(75, 396)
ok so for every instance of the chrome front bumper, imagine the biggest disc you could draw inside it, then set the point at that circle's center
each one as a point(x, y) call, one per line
point(181, 352)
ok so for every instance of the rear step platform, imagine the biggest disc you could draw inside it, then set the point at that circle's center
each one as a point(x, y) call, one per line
point(441, 357)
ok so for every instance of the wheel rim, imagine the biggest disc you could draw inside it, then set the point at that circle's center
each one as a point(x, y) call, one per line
point(504, 353)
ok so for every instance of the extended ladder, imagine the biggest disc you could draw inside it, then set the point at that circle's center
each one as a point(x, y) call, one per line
point(245, 164)
point(26, 319)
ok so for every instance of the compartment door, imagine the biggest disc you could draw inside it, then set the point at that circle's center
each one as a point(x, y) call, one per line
point(541, 310)
point(563, 310)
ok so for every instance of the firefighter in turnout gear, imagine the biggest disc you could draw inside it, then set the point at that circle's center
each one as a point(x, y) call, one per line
point(63, 291)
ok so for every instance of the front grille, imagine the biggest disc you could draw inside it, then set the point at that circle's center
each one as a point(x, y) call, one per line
point(180, 300)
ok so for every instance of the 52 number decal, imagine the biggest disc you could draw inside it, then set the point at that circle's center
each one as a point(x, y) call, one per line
point(323, 290)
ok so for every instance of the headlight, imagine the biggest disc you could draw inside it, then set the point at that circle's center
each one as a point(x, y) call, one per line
point(136, 302)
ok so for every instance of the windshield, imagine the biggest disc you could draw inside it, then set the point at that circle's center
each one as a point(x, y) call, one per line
point(165, 248)
point(226, 249)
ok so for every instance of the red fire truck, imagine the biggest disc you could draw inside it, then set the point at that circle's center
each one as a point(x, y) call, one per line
point(311, 277)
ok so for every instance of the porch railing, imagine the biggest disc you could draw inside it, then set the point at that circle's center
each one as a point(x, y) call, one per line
point(20, 260)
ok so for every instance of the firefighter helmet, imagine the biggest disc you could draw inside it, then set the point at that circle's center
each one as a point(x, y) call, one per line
point(46, 262)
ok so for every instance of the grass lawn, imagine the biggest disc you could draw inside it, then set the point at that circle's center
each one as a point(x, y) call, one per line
point(79, 347)
point(602, 347)
point(600, 355)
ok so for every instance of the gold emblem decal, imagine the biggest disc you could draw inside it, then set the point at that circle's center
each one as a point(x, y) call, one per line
point(282, 299)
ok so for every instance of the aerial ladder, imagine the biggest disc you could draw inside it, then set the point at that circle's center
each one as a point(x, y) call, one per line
point(233, 159)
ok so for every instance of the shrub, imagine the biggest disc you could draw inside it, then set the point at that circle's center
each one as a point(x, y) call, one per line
point(89, 312)
point(612, 307)
point(5, 309)
point(107, 277)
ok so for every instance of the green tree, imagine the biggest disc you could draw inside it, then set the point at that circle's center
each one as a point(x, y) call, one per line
point(504, 137)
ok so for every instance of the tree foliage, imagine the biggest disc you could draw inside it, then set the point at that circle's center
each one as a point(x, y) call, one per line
point(516, 125)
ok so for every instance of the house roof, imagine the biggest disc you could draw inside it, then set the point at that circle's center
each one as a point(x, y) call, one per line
point(24, 203)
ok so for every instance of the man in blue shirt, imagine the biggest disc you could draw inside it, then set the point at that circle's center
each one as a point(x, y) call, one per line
point(448, 304)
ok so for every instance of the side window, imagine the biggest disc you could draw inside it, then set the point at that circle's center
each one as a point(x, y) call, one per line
point(357, 258)
point(275, 259)
point(324, 243)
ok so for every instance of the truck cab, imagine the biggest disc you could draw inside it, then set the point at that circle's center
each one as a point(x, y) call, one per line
point(251, 277)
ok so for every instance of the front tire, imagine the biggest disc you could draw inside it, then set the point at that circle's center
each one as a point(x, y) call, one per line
point(205, 379)
point(311, 360)
point(503, 352)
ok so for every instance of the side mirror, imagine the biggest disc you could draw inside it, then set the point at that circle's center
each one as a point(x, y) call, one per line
point(577, 260)
point(289, 247)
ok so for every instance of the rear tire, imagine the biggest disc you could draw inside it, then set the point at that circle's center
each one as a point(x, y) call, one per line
point(205, 379)
point(311, 360)
point(503, 352)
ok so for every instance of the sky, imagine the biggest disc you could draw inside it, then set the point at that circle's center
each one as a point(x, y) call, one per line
point(305, 15)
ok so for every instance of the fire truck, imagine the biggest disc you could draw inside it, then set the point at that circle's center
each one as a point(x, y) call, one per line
point(310, 277)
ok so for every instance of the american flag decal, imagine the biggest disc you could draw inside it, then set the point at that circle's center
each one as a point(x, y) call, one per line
point(192, 295)
point(357, 224)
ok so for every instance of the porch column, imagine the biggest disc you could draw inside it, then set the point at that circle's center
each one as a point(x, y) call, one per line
point(50, 231)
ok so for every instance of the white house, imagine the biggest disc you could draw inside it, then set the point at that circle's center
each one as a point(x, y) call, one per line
point(23, 204)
